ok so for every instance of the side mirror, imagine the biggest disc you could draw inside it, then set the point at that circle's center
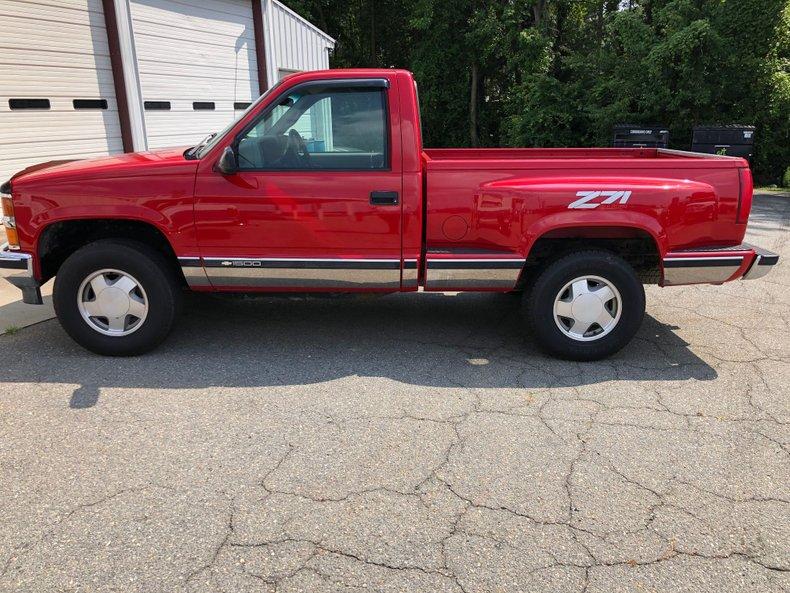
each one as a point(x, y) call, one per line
point(227, 164)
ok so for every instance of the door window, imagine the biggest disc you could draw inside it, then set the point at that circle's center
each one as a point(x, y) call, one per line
point(319, 128)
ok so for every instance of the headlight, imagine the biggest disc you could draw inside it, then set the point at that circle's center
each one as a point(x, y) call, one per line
point(9, 221)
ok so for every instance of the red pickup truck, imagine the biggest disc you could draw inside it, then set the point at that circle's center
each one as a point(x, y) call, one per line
point(323, 185)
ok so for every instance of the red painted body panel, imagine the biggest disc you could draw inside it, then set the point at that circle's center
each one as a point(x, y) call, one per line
point(413, 175)
point(277, 214)
point(510, 208)
point(478, 200)
point(258, 214)
point(152, 187)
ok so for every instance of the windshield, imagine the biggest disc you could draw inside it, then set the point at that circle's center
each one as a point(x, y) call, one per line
point(204, 147)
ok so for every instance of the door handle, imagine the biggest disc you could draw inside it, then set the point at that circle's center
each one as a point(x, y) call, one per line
point(383, 198)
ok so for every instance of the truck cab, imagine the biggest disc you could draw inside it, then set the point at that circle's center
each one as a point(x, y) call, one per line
point(323, 185)
point(312, 194)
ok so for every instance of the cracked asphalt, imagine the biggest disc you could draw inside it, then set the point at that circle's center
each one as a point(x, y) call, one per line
point(407, 443)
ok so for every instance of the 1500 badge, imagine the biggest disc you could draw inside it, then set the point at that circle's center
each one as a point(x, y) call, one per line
point(588, 199)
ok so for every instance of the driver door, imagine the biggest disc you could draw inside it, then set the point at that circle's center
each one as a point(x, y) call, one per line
point(315, 204)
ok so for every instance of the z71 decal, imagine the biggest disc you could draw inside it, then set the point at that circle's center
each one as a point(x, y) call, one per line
point(611, 197)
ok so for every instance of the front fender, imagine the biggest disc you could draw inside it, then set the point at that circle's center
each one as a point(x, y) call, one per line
point(163, 201)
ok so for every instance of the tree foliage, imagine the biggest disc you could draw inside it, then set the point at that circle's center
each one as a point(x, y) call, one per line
point(563, 72)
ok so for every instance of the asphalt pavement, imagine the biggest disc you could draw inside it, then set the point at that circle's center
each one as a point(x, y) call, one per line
point(407, 443)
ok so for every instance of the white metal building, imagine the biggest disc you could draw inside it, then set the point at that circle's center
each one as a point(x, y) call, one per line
point(82, 78)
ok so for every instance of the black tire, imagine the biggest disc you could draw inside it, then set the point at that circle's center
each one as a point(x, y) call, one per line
point(539, 305)
point(147, 266)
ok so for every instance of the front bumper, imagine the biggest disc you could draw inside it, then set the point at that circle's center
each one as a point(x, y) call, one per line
point(17, 268)
point(716, 265)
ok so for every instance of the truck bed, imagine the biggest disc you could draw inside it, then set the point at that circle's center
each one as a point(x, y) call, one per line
point(510, 158)
point(506, 199)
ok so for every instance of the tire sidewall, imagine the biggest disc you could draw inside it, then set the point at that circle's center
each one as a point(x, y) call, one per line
point(146, 266)
point(606, 265)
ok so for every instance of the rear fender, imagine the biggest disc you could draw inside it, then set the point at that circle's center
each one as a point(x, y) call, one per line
point(661, 207)
point(602, 225)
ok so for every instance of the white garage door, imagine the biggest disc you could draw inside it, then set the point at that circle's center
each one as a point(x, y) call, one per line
point(57, 99)
point(197, 66)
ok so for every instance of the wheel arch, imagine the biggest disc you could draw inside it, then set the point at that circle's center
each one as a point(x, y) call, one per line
point(638, 245)
point(59, 239)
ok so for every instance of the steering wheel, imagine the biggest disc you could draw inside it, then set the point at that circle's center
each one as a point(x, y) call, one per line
point(297, 149)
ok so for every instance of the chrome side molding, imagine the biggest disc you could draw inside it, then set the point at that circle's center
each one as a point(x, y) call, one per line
point(279, 273)
point(473, 273)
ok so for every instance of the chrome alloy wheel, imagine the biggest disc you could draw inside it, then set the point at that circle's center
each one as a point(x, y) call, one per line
point(587, 308)
point(112, 302)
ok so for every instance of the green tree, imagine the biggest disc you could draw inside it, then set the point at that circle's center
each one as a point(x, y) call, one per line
point(562, 72)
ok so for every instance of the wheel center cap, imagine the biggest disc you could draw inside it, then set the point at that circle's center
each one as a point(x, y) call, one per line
point(113, 302)
point(587, 308)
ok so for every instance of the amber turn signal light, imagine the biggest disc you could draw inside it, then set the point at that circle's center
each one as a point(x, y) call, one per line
point(9, 222)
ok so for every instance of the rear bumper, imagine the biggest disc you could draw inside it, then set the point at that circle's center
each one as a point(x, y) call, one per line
point(716, 265)
point(17, 268)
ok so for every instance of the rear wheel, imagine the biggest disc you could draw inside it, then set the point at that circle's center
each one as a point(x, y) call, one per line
point(117, 298)
point(586, 306)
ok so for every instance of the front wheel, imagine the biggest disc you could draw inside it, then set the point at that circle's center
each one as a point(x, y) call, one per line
point(586, 306)
point(116, 298)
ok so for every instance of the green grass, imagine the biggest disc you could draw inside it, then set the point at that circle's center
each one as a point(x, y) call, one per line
point(11, 330)
point(772, 189)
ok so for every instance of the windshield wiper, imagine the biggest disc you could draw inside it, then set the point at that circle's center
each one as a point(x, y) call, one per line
point(190, 153)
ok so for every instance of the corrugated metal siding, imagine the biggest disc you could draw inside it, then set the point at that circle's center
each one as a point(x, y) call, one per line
point(56, 50)
point(297, 44)
point(189, 50)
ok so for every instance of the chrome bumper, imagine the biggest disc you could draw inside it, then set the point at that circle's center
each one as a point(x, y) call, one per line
point(762, 264)
point(17, 268)
point(717, 265)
